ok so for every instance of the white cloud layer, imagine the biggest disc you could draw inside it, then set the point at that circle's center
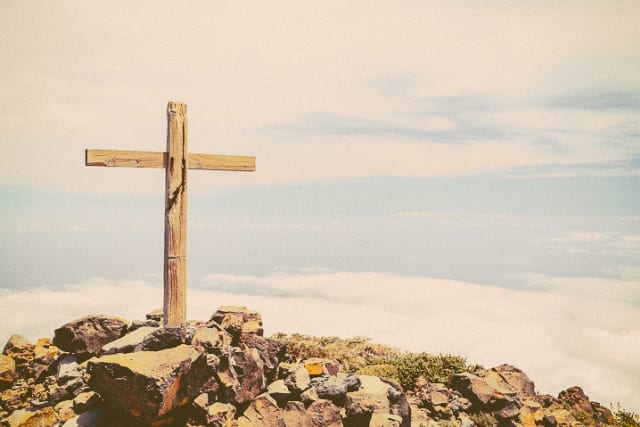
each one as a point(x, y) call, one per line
point(561, 332)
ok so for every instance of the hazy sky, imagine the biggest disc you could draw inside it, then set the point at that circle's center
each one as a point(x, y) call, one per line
point(440, 176)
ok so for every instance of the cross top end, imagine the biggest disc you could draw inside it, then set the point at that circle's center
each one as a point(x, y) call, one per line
point(177, 108)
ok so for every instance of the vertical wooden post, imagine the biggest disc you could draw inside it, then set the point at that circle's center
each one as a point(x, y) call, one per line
point(175, 216)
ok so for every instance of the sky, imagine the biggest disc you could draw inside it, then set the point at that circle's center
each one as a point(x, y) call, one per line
point(439, 176)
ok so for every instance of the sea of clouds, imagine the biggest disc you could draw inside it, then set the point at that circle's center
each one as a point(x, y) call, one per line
point(560, 331)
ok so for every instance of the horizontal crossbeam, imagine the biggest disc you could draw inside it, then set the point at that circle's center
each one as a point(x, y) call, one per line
point(157, 159)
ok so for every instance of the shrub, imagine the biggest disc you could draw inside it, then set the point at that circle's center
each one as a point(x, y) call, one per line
point(435, 369)
point(483, 419)
point(379, 370)
point(625, 418)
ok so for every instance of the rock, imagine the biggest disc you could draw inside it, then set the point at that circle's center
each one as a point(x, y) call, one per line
point(155, 315)
point(294, 414)
point(241, 376)
point(15, 397)
point(360, 406)
point(279, 391)
point(7, 371)
point(21, 351)
point(575, 397)
point(68, 369)
point(518, 380)
point(92, 418)
point(383, 396)
point(220, 415)
point(137, 324)
point(238, 320)
point(167, 337)
point(271, 352)
point(309, 396)
point(25, 418)
point(263, 411)
point(64, 410)
point(130, 342)
point(147, 385)
point(324, 413)
point(212, 340)
point(297, 380)
point(85, 401)
point(489, 392)
point(353, 382)
point(531, 413)
point(330, 388)
point(385, 420)
point(86, 336)
point(601, 413)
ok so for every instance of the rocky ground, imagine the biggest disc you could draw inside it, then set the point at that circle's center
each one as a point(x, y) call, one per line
point(104, 371)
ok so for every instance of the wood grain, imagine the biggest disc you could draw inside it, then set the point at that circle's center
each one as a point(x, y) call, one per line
point(157, 159)
point(175, 217)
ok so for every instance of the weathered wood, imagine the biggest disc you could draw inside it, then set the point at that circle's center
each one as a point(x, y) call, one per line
point(175, 216)
point(157, 159)
point(176, 161)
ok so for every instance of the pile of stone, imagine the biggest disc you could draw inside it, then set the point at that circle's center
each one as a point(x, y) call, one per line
point(104, 371)
point(503, 396)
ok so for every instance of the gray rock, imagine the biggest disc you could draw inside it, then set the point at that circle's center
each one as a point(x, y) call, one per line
point(167, 337)
point(68, 369)
point(330, 388)
point(297, 380)
point(130, 342)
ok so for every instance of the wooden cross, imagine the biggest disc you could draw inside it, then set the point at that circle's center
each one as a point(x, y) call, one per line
point(176, 161)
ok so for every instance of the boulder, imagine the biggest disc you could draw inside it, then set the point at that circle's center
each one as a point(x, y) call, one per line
point(238, 320)
point(27, 418)
point(490, 392)
point(279, 391)
point(68, 369)
point(85, 401)
point(86, 336)
point(155, 315)
point(263, 411)
point(147, 385)
point(330, 388)
point(517, 380)
point(377, 396)
point(241, 376)
point(7, 371)
point(130, 342)
point(271, 352)
point(324, 413)
point(297, 380)
point(21, 351)
point(575, 397)
point(212, 340)
point(167, 337)
point(220, 415)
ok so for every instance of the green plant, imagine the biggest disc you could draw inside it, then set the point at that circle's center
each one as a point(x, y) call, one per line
point(435, 369)
point(379, 370)
point(582, 417)
point(352, 353)
point(624, 418)
point(483, 419)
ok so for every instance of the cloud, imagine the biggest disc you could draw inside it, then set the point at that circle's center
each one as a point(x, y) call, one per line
point(561, 331)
